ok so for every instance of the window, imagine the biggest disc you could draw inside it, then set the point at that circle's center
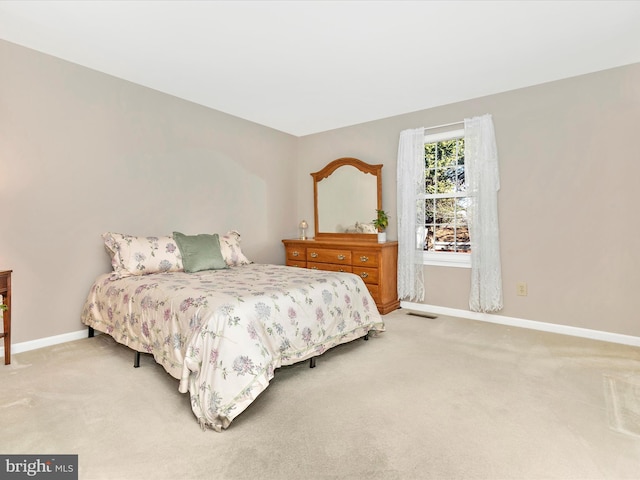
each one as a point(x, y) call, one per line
point(445, 238)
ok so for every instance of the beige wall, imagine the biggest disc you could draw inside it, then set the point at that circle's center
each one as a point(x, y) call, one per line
point(82, 153)
point(569, 167)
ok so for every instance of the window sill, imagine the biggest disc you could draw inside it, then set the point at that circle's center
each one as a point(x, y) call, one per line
point(446, 259)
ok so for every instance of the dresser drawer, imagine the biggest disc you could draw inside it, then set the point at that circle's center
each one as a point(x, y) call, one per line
point(325, 255)
point(332, 267)
point(296, 263)
point(296, 254)
point(373, 290)
point(369, 275)
point(365, 259)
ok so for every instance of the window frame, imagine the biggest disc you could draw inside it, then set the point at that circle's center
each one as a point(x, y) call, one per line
point(444, 259)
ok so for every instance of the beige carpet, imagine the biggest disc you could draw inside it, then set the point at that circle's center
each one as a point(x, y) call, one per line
point(440, 398)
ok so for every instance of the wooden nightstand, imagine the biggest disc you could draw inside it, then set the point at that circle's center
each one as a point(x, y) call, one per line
point(5, 291)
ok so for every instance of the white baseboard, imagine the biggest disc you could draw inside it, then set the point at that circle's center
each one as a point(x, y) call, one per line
point(46, 342)
point(519, 322)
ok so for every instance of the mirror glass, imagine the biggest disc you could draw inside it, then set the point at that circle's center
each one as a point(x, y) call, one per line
point(347, 193)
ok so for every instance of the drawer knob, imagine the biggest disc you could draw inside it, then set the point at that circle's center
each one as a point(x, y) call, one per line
point(364, 274)
point(364, 259)
point(341, 257)
point(296, 254)
point(314, 255)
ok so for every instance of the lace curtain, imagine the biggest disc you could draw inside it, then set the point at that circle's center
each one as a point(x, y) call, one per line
point(483, 182)
point(410, 213)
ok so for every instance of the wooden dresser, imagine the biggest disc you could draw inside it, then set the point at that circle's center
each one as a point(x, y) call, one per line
point(376, 263)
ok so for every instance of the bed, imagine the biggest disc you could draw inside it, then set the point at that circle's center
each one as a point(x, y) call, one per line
point(222, 332)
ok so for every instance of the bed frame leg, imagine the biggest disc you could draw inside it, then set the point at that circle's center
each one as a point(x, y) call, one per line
point(136, 360)
point(91, 332)
point(312, 362)
point(366, 337)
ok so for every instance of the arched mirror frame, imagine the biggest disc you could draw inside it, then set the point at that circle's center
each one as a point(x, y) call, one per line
point(366, 168)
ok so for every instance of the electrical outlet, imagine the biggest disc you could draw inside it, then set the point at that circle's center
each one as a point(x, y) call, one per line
point(521, 289)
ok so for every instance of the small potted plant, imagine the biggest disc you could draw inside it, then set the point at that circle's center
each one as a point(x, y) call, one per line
point(381, 222)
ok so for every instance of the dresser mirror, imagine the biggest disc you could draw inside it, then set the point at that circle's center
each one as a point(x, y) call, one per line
point(347, 193)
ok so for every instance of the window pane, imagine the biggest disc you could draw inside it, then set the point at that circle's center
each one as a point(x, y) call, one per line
point(447, 180)
point(430, 155)
point(429, 216)
point(461, 186)
point(430, 182)
point(430, 210)
point(445, 210)
point(428, 241)
point(444, 241)
point(448, 153)
point(463, 241)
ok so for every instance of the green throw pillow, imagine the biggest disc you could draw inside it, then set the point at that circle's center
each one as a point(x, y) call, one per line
point(200, 252)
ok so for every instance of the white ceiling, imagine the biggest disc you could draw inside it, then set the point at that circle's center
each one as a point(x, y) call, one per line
point(309, 66)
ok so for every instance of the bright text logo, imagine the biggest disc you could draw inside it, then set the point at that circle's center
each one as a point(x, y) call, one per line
point(57, 467)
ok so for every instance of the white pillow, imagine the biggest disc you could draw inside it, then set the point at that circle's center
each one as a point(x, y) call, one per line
point(231, 251)
point(142, 255)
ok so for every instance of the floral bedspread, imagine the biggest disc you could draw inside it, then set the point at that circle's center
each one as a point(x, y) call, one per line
point(222, 333)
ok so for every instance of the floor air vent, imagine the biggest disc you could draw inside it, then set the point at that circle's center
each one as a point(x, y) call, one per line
point(424, 315)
